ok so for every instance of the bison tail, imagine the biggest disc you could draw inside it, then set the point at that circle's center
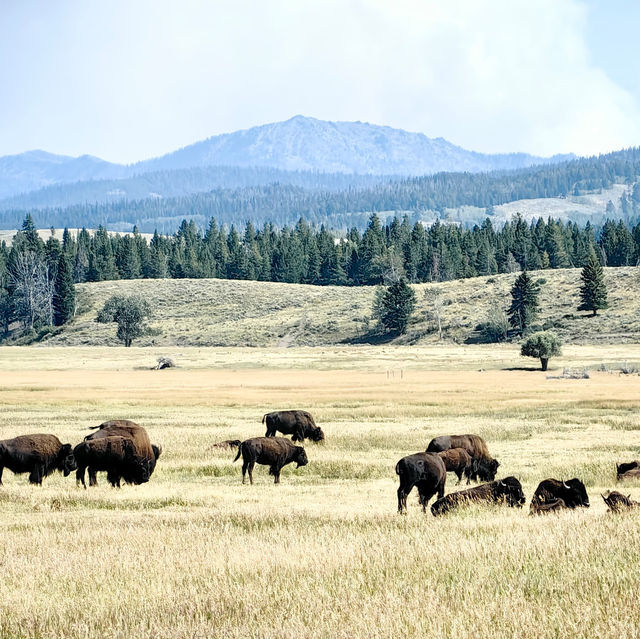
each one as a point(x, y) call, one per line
point(398, 468)
point(238, 455)
point(264, 417)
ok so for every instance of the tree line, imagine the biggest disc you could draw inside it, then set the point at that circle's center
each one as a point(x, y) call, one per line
point(285, 201)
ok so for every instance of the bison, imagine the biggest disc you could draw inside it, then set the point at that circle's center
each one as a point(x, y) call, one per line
point(38, 455)
point(572, 492)
point(618, 503)
point(297, 423)
point(484, 467)
point(458, 461)
point(275, 452)
point(116, 455)
point(507, 490)
point(552, 506)
point(145, 451)
point(427, 471)
point(628, 470)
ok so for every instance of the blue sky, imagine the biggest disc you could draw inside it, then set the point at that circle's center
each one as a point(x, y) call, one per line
point(131, 79)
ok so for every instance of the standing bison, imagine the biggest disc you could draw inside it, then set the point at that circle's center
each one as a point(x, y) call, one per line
point(572, 492)
point(484, 467)
point(145, 452)
point(298, 423)
point(458, 461)
point(116, 455)
point(424, 470)
point(275, 452)
point(508, 490)
point(38, 455)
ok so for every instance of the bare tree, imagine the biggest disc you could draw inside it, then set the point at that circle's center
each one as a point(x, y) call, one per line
point(435, 306)
point(33, 289)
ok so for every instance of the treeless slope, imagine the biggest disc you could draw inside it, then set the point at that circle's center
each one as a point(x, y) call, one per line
point(241, 313)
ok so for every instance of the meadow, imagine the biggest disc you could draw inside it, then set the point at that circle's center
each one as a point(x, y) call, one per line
point(194, 553)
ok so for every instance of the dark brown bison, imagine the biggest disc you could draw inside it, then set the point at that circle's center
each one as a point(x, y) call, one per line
point(275, 452)
point(427, 472)
point(145, 451)
point(116, 455)
point(458, 461)
point(484, 467)
point(551, 507)
point(507, 490)
point(572, 492)
point(628, 470)
point(618, 503)
point(38, 455)
point(297, 423)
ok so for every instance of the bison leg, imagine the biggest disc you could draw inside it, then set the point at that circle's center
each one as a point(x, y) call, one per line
point(459, 476)
point(93, 481)
point(403, 491)
point(1, 469)
point(275, 471)
point(35, 476)
point(245, 465)
point(80, 476)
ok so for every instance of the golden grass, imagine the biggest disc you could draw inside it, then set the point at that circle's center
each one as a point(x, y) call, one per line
point(194, 553)
point(241, 313)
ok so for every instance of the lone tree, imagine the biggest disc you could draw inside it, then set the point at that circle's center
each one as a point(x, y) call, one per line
point(524, 303)
point(593, 292)
point(129, 312)
point(542, 345)
point(395, 306)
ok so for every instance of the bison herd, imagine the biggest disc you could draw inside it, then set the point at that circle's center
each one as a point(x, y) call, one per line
point(123, 450)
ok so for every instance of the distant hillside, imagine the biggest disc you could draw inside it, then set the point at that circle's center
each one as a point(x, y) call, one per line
point(241, 313)
point(299, 144)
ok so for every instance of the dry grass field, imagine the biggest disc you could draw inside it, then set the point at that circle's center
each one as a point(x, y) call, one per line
point(194, 553)
point(240, 313)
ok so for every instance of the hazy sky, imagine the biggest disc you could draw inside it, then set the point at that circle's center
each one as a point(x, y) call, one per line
point(131, 79)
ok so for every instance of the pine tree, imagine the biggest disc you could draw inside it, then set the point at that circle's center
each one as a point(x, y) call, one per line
point(524, 303)
point(64, 295)
point(593, 291)
point(395, 307)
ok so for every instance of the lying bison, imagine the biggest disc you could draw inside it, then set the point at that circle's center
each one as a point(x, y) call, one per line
point(144, 450)
point(298, 423)
point(507, 490)
point(572, 492)
point(618, 503)
point(628, 470)
point(38, 455)
point(484, 467)
point(458, 461)
point(116, 455)
point(427, 472)
point(551, 507)
point(275, 452)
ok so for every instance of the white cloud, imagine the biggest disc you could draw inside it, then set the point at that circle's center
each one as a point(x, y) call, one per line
point(128, 80)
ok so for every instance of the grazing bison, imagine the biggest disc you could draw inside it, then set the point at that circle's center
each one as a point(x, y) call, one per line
point(275, 452)
point(38, 455)
point(484, 467)
point(458, 461)
point(424, 470)
point(507, 490)
point(116, 455)
point(298, 423)
point(572, 492)
point(618, 503)
point(145, 451)
point(552, 506)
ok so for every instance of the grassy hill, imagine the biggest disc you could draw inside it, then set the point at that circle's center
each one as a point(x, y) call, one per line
point(241, 313)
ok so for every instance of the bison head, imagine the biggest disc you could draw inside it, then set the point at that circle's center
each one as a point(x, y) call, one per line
point(301, 457)
point(486, 469)
point(579, 495)
point(316, 434)
point(510, 489)
point(66, 460)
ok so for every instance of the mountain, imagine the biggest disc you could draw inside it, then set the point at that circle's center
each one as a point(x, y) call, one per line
point(308, 144)
point(298, 144)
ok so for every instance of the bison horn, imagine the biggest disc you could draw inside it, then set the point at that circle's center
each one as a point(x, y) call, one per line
point(564, 484)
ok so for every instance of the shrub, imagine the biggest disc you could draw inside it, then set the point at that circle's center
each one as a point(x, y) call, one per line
point(542, 345)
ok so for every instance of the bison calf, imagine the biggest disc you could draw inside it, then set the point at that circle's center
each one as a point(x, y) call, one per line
point(38, 455)
point(458, 461)
point(508, 490)
point(116, 455)
point(427, 472)
point(551, 507)
point(483, 467)
point(275, 452)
